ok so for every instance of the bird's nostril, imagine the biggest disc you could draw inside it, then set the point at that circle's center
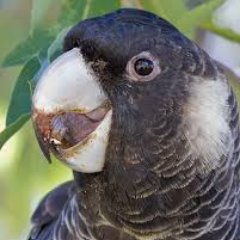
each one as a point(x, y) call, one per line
point(76, 44)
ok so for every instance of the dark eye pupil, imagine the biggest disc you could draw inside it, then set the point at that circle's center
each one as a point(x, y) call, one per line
point(143, 67)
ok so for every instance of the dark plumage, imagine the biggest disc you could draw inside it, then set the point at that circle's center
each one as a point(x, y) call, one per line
point(171, 167)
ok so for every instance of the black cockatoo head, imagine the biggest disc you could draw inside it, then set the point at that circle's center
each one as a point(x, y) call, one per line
point(132, 96)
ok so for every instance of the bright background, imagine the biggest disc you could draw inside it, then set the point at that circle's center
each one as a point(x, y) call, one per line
point(25, 175)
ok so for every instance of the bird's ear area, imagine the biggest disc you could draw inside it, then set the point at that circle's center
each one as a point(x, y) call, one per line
point(143, 67)
point(205, 118)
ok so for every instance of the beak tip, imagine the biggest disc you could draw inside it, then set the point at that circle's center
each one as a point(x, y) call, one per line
point(47, 156)
point(43, 144)
point(45, 150)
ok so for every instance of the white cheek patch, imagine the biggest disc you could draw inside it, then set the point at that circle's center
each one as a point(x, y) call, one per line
point(68, 84)
point(206, 122)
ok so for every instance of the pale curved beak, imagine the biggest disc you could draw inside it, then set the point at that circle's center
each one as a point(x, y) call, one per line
point(71, 114)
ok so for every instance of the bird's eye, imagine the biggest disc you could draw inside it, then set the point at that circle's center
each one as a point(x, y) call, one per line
point(143, 67)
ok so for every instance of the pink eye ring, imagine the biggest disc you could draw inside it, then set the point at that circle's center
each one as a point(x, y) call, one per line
point(143, 67)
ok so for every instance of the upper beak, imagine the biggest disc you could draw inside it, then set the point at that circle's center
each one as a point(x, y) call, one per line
point(71, 114)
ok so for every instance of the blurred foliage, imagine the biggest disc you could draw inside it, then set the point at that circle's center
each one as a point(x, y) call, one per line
point(41, 47)
point(50, 21)
point(224, 32)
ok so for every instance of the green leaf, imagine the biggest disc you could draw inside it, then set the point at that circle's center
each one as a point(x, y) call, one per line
point(12, 129)
point(71, 12)
point(56, 48)
point(131, 4)
point(197, 16)
point(35, 45)
point(174, 9)
point(39, 10)
point(75, 10)
point(20, 103)
point(176, 12)
point(224, 32)
point(96, 8)
point(170, 10)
